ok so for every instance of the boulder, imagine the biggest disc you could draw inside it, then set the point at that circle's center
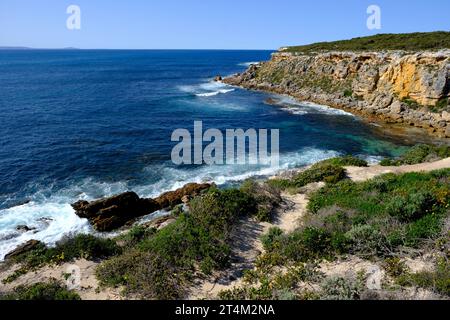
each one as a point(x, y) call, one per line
point(24, 228)
point(26, 247)
point(218, 78)
point(110, 213)
point(114, 212)
point(173, 198)
point(447, 132)
point(446, 116)
point(397, 107)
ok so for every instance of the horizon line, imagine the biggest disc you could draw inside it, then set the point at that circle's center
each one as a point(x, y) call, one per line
point(166, 49)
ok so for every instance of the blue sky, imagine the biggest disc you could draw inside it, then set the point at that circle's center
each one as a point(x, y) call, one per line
point(208, 24)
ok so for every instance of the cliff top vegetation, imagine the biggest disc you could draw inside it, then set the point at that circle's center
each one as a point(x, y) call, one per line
point(403, 41)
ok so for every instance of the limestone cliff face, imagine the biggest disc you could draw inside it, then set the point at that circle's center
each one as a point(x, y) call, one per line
point(396, 86)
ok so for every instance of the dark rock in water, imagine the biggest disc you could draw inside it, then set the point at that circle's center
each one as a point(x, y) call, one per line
point(110, 213)
point(172, 198)
point(218, 78)
point(114, 212)
point(26, 247)
point(24, 228)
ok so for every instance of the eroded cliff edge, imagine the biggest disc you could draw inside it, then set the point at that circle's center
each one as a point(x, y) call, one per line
point(396, 86)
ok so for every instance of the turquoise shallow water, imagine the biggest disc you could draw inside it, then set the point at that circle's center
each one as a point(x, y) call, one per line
point(86, 124)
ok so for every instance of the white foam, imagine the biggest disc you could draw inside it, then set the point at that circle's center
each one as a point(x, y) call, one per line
point(247, 64)
point(214, 93)
point(293, 106)
point(174, 178)
point(371, 159)
point(61, 220)
point(207, 89)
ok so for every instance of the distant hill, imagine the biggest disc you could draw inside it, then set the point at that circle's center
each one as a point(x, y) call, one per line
point(14, 48)
point(402, 41)
point(28, 48)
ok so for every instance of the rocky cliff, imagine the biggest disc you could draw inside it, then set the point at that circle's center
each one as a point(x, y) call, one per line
point(396, 86)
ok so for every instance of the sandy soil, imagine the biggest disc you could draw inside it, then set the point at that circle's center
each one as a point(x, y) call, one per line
point(82, 279)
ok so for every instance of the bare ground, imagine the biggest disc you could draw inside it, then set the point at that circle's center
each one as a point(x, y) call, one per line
point(87, 286)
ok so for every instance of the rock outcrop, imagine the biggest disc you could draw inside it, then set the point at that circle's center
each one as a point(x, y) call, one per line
point(114, 212)
point(26, 247)
point(396, 86)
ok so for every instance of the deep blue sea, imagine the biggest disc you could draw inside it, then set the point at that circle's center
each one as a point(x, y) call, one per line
point(82, 124)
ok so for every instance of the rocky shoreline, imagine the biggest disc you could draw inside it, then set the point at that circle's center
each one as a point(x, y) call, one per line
point(396, 87)
point(111, 213)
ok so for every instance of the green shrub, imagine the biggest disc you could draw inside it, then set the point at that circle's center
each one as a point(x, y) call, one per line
point(147, 274)
point(403, 41)
point(345, 161)
point(418, 154)
point(301, 245)
point(348, 93)
point(266, 197)
point(42, 291)
point(326, 172)
point(425, 228)
point(395, 267)
point(441, 105)
point(160, 266)
point(411, 206)
point(338, 288)
point(276, 286)
point(136, 234)
point(366, 240)
point(271, 238)
point(382, 214)
point(80, 246)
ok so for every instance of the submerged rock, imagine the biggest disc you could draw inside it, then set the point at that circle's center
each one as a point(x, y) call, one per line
point(24, 228)
point(114, 212)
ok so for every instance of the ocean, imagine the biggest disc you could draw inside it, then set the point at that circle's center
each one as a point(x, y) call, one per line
point(84, 124)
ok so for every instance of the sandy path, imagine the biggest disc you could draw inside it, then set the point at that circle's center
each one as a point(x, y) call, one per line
point(361, 173)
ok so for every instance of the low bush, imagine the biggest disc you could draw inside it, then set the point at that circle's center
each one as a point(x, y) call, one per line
point(382, 214)
point(302, 245)
point(42, 291)
point(326, 172)
point(276, 286)
point(80, 246)
point(161, 265)
point(418, 154)
point(395, 267)
point(135, 235)
point(345, 161)
point(266, 197)
point(145, 274)
point(270, 238)
point(338, 288)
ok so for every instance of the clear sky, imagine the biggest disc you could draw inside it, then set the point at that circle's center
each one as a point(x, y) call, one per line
point(208, 24)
